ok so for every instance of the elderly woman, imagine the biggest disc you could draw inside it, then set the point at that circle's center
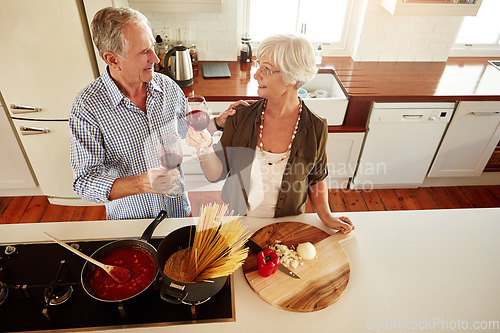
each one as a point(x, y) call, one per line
point(272, 153)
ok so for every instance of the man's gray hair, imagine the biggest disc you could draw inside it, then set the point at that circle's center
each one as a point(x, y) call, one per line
point(293, 54)
point(107, 28)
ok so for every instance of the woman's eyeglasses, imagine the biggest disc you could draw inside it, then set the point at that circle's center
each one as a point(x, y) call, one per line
point(264, 70)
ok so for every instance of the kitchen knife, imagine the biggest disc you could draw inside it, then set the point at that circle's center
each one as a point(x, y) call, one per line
point(256, 248)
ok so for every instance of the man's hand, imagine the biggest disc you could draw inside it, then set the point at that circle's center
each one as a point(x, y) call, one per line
point(161, 180)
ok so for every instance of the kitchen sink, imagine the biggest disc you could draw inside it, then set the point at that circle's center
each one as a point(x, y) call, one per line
point(333, 107)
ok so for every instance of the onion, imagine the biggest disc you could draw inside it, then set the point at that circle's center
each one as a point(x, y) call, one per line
point(306, 250)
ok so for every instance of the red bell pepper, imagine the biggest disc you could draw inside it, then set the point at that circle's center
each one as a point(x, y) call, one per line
point(268, 262)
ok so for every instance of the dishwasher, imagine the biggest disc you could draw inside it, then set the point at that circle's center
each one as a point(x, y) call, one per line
point(400, 144)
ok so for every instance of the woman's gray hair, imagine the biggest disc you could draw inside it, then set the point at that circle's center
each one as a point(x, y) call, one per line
point(107, 28)
point(293, 54)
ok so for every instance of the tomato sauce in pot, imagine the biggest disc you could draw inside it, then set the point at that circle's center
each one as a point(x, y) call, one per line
point(142, 269)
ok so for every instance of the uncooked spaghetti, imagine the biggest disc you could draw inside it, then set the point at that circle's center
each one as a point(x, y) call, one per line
point(217, 248)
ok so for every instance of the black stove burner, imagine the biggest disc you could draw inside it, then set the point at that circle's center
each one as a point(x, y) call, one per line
point(33, 294)
point(57, 295)
point(58, 291)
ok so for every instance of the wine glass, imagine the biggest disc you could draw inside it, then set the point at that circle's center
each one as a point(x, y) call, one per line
point(197, 117)
point(198, 114)
point(170, 155)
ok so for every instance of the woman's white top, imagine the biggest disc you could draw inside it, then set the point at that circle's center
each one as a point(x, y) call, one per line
point(265, 183)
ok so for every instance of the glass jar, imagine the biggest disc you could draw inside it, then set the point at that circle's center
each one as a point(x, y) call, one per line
point(193, 52)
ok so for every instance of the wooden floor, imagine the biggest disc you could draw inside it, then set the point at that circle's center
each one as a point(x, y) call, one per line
point(37, 208)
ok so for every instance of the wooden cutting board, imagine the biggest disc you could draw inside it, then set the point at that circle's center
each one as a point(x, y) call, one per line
point(322, 280)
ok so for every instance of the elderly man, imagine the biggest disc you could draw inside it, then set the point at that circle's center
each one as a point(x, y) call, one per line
point(117, 120)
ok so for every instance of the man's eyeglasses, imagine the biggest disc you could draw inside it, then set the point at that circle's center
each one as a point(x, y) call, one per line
point(264, 70)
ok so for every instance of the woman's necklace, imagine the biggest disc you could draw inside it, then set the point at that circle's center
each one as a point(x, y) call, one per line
point(261, 143)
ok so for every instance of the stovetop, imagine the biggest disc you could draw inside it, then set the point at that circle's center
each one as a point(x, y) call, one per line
point(33, 267)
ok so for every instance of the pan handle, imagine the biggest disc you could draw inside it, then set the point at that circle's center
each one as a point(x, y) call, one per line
point(146, 236)
point(173, 295)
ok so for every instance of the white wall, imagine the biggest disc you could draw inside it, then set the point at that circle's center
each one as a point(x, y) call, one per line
point(377, 35)
point(215, 34)
point(384, 37)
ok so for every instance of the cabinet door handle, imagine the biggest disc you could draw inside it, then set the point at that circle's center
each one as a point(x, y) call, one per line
point(17, 109)
point(486, 113)
point(28, 130)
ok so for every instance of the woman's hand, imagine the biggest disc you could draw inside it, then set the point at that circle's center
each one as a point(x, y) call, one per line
point(342, 224)
point(318, 196)
point(221, 120)
point(198, 139)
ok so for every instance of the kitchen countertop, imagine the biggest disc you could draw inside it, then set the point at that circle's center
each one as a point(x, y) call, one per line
point(430, 270)
point(456, 79)
point(463, 79)
point(240, 85)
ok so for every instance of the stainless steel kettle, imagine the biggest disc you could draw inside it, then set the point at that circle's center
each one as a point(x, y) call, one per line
point(181, 68)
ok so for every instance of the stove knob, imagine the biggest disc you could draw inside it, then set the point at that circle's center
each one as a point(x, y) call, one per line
point(10, 250)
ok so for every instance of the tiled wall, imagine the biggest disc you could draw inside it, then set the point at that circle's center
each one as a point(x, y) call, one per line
point(385, 37)
point(382, 37)
point(214, 34)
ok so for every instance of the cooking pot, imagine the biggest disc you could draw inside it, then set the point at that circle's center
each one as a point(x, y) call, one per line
point(177, 292)
point(141, 245)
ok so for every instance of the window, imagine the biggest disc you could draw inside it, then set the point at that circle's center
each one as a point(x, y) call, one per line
point(322, 21)
point(481, 31)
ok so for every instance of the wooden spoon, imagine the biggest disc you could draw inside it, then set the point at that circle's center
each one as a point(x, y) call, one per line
point(119, 274)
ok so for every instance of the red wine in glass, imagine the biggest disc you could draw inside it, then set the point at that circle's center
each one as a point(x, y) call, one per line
point(198, 120)
point(171, 159)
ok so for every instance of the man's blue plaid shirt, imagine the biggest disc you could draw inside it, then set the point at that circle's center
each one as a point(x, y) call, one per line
point(112, 138)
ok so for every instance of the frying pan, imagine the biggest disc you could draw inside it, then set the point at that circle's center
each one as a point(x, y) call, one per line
point(141, 245)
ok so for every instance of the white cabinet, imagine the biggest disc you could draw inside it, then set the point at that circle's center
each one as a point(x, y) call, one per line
point(400, 143)
point(343, 151)
point(46, 56)
point(434, 7)
point(45, 61)
point(198, 6)
point(48, 149)
point(14, 169)
point(469, 141)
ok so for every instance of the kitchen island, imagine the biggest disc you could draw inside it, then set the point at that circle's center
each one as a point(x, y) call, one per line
point(432, 270)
